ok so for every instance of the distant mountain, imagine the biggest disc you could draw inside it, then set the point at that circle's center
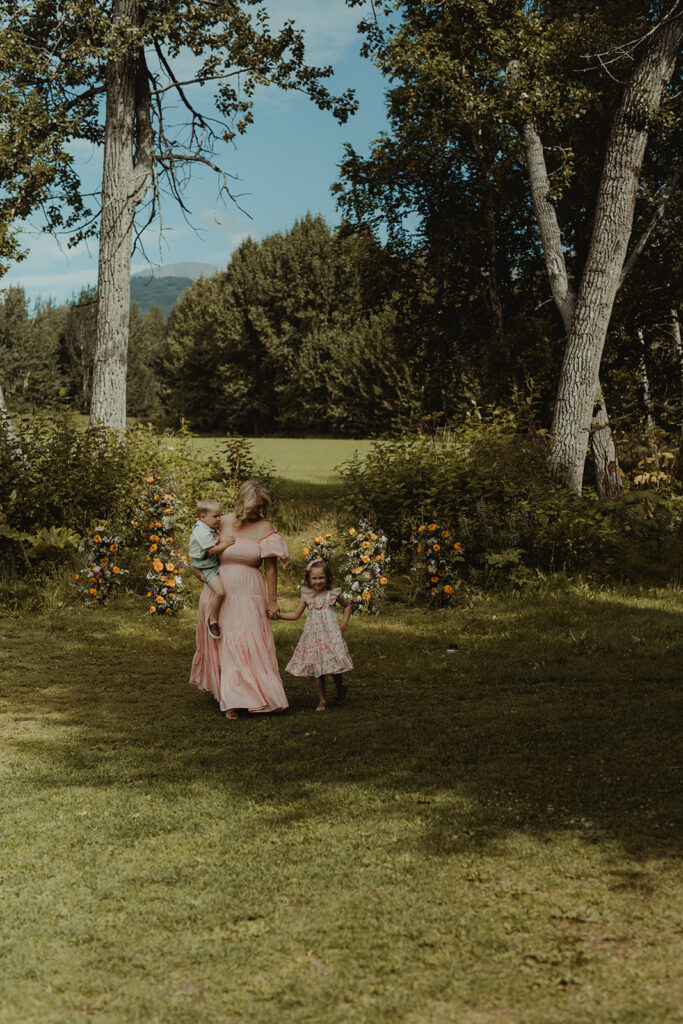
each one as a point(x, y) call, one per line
point(163, 292)
point(186, 269)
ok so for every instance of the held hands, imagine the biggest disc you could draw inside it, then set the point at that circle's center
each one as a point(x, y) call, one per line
point(273, 609)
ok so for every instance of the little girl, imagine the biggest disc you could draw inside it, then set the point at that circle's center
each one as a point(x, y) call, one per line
point(321, 648)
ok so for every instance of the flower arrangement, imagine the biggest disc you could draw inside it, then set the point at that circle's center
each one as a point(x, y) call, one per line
point(158, 520)
point(102, 578)
point(436, 559)
point(365, 567)
point(321, 546)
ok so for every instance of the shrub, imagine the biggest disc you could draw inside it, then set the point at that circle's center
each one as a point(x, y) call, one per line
point(438, 556)
point(365, 568)
point(490, 482)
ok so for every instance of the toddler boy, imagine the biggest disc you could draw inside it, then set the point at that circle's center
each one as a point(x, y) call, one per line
point(205, 546)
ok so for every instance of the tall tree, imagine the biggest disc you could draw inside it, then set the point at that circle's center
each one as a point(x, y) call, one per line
point(125, 51)
point(451, 100)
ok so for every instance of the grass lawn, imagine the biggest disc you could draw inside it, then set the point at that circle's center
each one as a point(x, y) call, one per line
point(485, 837)
point(296, 460)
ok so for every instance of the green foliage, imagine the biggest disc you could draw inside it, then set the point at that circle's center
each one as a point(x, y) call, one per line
point(488, 481)
point(71, 480)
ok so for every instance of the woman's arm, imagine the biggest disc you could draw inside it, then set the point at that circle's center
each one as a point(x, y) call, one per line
point(296, 614)
point(348, 608)
point(270, 566)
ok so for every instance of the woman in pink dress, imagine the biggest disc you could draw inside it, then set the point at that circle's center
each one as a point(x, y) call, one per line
point(240, 668)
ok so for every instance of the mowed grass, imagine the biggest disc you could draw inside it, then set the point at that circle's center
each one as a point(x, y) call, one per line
point(484, 837)
point(296, 460)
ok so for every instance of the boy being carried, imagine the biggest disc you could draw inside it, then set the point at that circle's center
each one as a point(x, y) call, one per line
point(205, 547)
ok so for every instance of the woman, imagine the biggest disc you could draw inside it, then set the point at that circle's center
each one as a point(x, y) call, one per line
point(240, 669)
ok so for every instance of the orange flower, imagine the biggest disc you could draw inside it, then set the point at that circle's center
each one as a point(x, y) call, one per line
point(441, 572)
point(157, 565)
point(351, 532)
point(361, 536)
point(366, 595)
point(378, 558)
point(152, 610)
point(365, 544)
point(93, 590)
point(168, 611)
point(457, 546)
point(149, 593)
point(160, 600)
point(170, 583)
point(318, 540)
point(153, 547)
point(445, 533)
point(105, 560)
point(383, 580)
point(373, 536)
point(448, 589)
point(154, 537)
point(170, 566)
point(435, 579)
point(149, 479)
point(328, 536)
point(97, 538)
point(432, 526)
point(115, 569)
point(365, 558)
point(77, 576)
point(304, 551)
point(148, 559)
point(112, 547)
point(156, 497)
point(420, 529)
point(436, 547)
point(419, 547)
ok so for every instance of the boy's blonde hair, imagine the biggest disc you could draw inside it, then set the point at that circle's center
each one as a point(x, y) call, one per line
point(206, 505)
point(250, 494)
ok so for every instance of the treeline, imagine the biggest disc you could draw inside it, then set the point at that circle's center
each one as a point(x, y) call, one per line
point(322, 331)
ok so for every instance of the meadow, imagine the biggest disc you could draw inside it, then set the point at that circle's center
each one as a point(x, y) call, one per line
point(483, 837)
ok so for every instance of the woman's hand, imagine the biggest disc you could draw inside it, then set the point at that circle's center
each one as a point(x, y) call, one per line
point(273, 609)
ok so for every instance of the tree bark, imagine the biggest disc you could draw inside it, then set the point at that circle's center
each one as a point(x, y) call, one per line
point(607, 473)
point(611, 231)
point(678, 344)
point(126, 175)
point(8, 427)
point(645, 383)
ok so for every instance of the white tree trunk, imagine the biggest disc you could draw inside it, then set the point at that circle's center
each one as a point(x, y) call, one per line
point(607, 473)
point(678, 344)
point(611, 232)
point(645, 383)
point(126, 176)
point(8, 427)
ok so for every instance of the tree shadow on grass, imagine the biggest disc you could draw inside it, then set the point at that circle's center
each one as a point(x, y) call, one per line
point(521, 731)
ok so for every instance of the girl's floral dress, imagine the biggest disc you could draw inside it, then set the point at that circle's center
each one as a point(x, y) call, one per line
point(321, 649)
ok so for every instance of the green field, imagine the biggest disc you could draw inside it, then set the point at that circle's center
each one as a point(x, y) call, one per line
point(485, 837)
point(310, 461)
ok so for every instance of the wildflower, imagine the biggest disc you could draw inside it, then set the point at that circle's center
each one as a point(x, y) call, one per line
point(419, 547)
point(383, 580)
point(365, 558)
point(304, 551)
point(157, 565)
point(435, 579)
point(378, 558)
point(77, 576)
point(373, 536)
point(97, 538)
point(448, 589)
point(457, 546)
point(153, 547)
point(93, 590)
point(437, 547)
point(420, 529)
point(318, 540)
point(115, 569)
point(170, 567)
point(445, 533)
point(366, 595)
point(328, 536)
point(351, 532)
point(152, 609)
point(160, 600)
point(149, 479)
point(365, 544)
point(432, 526)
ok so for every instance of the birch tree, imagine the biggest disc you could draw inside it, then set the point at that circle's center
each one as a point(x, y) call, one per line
point(114, 64)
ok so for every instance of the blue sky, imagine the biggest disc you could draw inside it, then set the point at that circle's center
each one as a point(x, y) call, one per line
point(286, 163)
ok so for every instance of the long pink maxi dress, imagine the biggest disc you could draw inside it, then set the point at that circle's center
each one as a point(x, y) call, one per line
point(241, 669)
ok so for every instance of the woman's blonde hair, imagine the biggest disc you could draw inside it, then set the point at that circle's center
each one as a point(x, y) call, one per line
point(250, 494)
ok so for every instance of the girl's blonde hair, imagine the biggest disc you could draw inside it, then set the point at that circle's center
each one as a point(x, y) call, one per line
point(250, 494)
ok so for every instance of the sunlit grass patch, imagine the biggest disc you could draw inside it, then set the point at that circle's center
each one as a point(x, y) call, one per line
point(480, 836)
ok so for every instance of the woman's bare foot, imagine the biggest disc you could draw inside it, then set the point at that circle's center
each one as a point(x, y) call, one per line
point(322, 706)
point(231, 714)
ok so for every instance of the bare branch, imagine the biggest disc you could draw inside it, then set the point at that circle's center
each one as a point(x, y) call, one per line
point(669, 189)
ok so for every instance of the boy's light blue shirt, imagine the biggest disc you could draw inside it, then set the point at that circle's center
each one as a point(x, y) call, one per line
point(201, 538)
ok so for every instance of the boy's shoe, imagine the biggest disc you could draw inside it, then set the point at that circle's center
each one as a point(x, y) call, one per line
point(214, 630)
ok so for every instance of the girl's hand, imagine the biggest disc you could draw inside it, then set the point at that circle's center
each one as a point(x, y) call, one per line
point(273, 609)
